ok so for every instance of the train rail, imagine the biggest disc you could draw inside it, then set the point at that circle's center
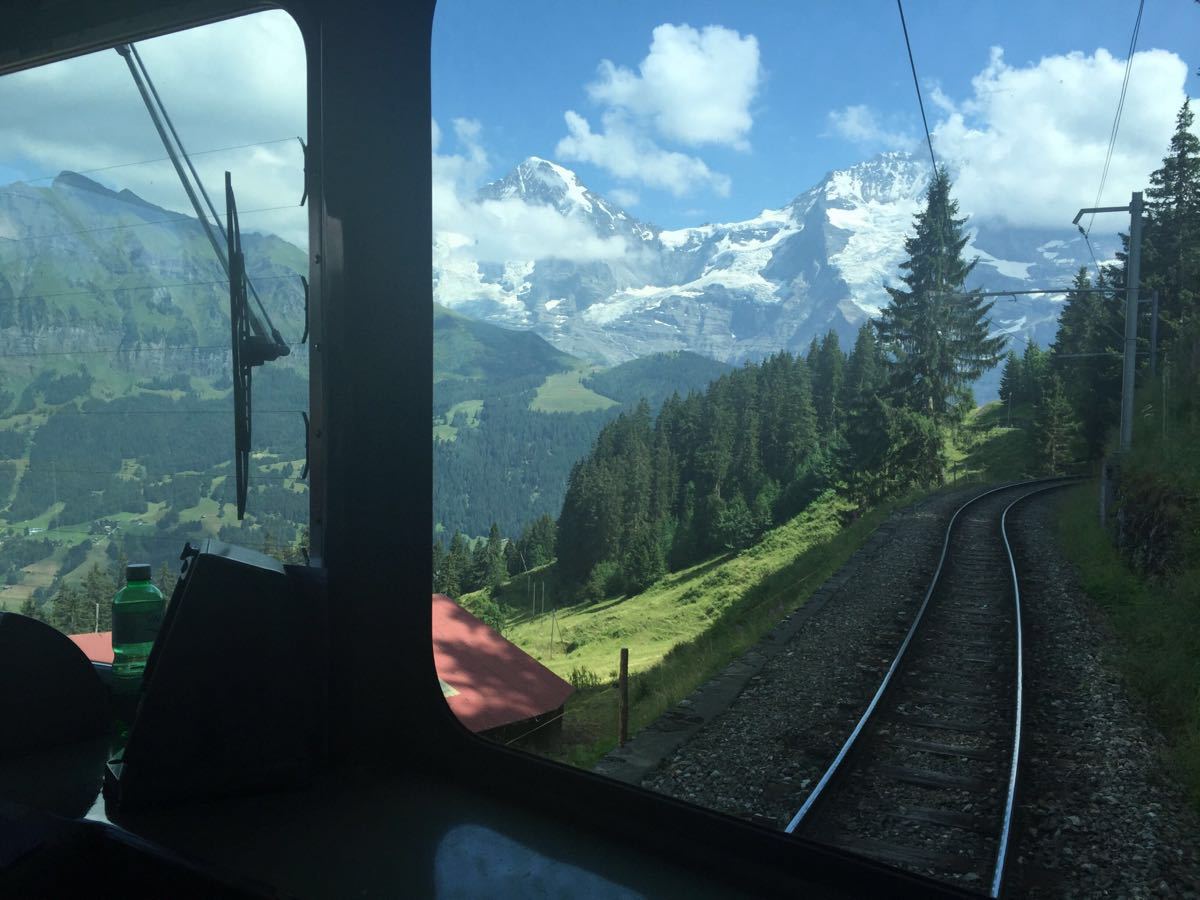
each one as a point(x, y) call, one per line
point(927, 778)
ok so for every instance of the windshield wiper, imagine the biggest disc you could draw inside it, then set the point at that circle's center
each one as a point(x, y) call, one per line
point(254, 341)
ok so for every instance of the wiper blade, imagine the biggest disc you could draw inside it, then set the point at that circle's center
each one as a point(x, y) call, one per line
point(249, 349)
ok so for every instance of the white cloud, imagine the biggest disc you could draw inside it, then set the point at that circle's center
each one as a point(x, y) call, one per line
point(1028, 146)
point(694, 86)
point(860, 125)
point(467, 230)
point(86, 113)
point(624, 197)
point(628, 154)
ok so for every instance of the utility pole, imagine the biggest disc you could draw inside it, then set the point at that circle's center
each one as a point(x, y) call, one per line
point(1133, 274)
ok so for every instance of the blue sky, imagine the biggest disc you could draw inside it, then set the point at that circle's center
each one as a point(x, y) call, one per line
point(706, 111)
point(514, 70)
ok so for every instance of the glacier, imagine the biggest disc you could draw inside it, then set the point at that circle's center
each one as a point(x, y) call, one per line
point(742, 290)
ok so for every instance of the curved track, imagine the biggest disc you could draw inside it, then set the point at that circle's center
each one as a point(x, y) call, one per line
point(927, 778)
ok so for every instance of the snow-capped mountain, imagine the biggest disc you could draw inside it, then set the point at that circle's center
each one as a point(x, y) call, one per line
point(742, 289)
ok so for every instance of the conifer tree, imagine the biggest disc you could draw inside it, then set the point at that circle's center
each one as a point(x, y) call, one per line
point(31, 609)
point(1171, 241)
point(1035, 369)
point(98, 590)
point(454, 570)
point(934, 334)
point(1010, 379)
point(495, 568)
point(72, 614)
point(1054, 430)
point(535, 547)
point(438, 559)
point(1086, 357)
point(827, 377)
point(866, 432)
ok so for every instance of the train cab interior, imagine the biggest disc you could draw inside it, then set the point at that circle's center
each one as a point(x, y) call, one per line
point(332, 766)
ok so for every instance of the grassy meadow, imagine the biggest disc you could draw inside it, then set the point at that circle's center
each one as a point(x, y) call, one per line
point(564, 392)
point(682, 630)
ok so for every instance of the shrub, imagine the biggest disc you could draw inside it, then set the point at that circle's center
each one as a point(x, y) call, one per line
point(582, 678)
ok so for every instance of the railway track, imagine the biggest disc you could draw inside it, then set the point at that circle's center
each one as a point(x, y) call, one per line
point(927, 778)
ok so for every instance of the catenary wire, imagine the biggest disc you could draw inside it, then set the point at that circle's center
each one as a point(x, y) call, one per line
point(916, 84)
point(1112, 138)
point(144, 162)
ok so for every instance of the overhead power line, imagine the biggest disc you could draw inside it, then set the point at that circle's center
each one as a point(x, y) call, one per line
point(146, 162)
point(144, 287)
point(1116, 125)
point(916, 84)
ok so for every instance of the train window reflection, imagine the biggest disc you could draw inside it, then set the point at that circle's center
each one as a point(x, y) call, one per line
point(116, 381)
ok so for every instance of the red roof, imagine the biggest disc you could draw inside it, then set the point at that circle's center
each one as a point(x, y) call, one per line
point(488, 680)
point(95, 646)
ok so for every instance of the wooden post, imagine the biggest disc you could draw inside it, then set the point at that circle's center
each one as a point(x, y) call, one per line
point(623, 699)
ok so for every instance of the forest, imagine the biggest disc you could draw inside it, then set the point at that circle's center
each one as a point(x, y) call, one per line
point(713, 470)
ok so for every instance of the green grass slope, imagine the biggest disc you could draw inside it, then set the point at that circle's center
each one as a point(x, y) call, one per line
point(683, 629)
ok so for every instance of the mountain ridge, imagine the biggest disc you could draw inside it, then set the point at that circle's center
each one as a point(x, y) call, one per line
point(743, 290)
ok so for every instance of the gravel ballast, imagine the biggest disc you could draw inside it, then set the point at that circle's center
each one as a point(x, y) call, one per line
point(1098, 816)
point(758, 758)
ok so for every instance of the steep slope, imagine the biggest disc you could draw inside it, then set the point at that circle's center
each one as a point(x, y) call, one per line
point(498, 455)
point(85, 269)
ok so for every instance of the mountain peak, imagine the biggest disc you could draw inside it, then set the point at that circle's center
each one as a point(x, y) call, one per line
point(885, 178)
point(75, 181)
point(82, 182)
point(539, 180)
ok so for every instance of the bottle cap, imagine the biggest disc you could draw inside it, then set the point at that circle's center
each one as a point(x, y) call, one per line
point(137, 572)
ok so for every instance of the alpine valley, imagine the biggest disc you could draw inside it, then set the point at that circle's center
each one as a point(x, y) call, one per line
point(743, 290)
point(114, 360)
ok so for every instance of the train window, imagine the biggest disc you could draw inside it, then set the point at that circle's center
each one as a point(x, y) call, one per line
point(716, 294)
point(117, 382)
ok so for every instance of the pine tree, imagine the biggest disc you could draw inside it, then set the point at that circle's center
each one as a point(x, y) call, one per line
point(1086, 357)
point(827, 377)
point(535, 547)
point(454, 571)
point(1010, 379)
point(936, 336)
point(31, 609)
point(864, 374)
point(120, 564)
point(1054, 430)
point(495, 569)
point(72, 614)
point(866, 432)
point(1035, 370)
point(98, 590)
point(1171, 240)
point(438, 560)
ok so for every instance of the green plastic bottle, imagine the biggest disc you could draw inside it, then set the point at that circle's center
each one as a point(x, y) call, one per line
point(137, 616)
